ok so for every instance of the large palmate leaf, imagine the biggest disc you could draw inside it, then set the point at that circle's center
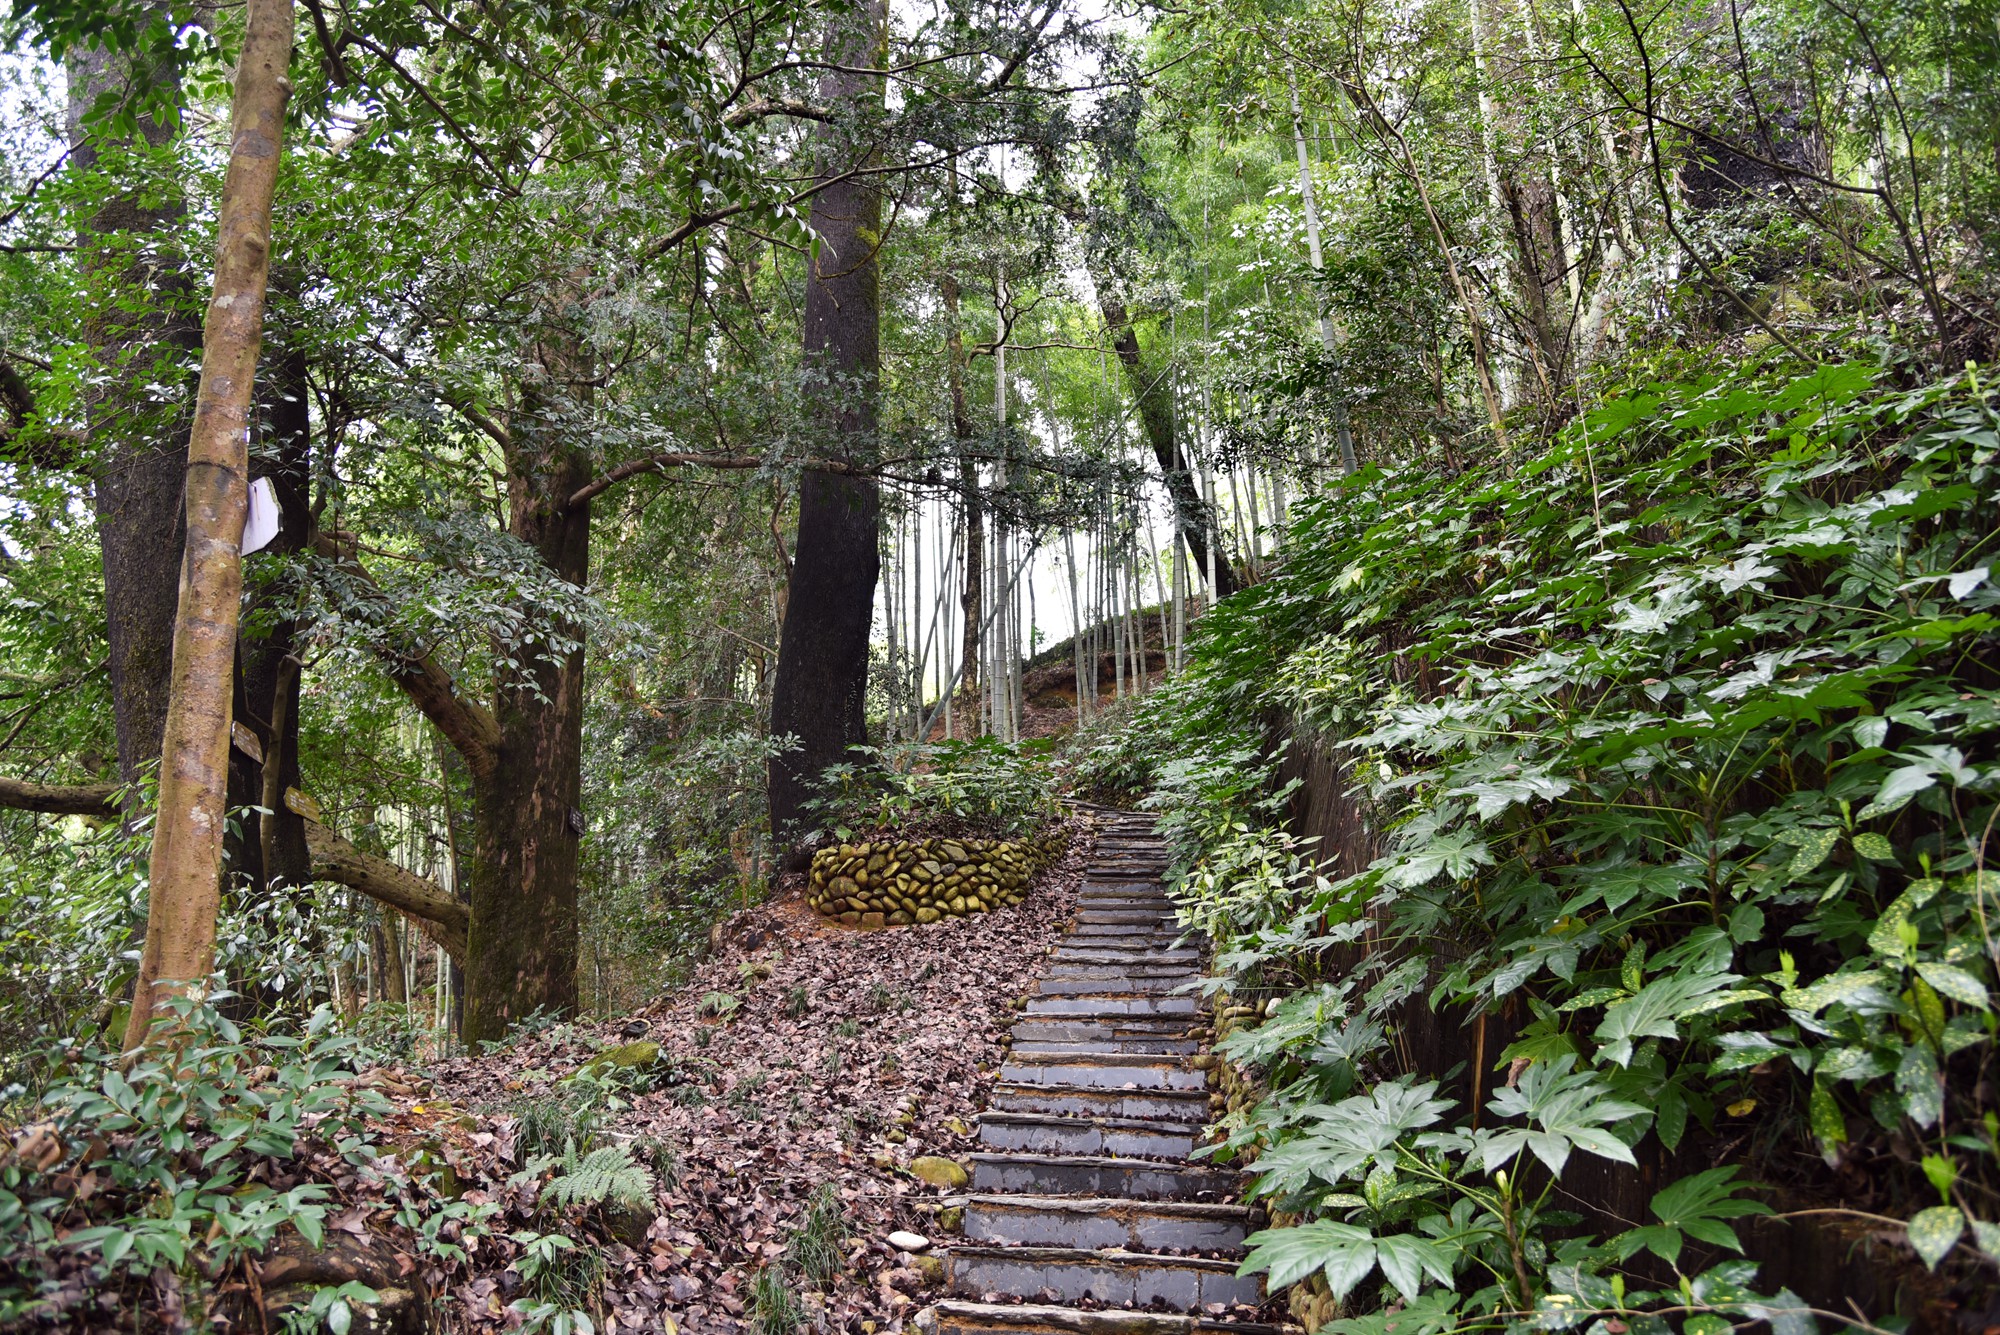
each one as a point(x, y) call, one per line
point(1569, 1110)
point(1345, 1139)
point(1345, 1254)
point(1651, 1012)
point(1694, 1207)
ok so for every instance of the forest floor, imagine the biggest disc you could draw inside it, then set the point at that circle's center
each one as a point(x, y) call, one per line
point(800, 1054)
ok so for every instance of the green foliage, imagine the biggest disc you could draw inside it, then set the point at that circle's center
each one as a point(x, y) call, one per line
point(983, 785)
point(332, 1306)
point(719, 1005)
point(1106, 758)
point(818, 1246)
point(608, 1174)
point(1679, 740)
point(181, 1147)
point(774, 1307)
point(563, 1281)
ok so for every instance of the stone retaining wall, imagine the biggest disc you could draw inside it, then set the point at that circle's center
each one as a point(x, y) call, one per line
point(893, 884)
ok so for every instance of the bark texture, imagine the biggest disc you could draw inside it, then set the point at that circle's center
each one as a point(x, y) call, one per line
point(141, 330)
point(334, 859)
point(185, 870)
point(272, 850)
point(59, 799)
point(522, 948)
point(822, 673)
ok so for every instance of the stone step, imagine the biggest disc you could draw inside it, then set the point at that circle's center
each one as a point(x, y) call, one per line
point(1144, 1043)
point(1097, 1222)
point(1077, 1029)
point(1122, 917)
point(1131, 903)
point(1113, 982)
point(1094, 935)
point(1103, 1070)
point(956, 1317)
point(1094, 1175)
point(1179, 1105)
point(1114, 1004)
point(1069, 1274)
point(1122, 1137)
point(1140, 967)
point(1109, 953)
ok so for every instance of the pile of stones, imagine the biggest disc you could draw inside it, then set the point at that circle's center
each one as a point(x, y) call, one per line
point(893, 884)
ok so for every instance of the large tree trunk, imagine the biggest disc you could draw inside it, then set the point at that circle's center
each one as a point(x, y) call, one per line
point(823, 650)
point(140, 326)
point(1154, 397)
point(526, 819)
point(184, 874)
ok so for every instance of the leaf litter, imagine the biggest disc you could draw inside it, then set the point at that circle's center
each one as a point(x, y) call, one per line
point(840, 1056)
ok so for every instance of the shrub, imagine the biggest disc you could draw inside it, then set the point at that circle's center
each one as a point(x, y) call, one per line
point(1678, 739)
point(954, 786)
point(190, 1153)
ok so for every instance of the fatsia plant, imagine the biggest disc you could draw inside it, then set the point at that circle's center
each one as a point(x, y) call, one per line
point(1678, 739)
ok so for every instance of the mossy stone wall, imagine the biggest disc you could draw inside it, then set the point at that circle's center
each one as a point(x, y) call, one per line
point(894, 883)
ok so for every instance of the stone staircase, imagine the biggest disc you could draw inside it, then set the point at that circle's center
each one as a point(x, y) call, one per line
point(1085, 1216)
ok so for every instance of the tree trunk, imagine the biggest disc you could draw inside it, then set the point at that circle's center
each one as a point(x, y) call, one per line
point(1329, 342)
point(141, 329)
point(822, 674)
point(527, 822)
point(273, 849)
point(185, 870)
point(968, 485)
point(389, 950)
point(1153, 396)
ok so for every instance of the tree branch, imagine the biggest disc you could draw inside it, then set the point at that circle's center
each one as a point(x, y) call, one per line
point(60, 799)
point(775, 106)
point(467, 725)
point(444, 919)
point(47, 449)
point(659, 463)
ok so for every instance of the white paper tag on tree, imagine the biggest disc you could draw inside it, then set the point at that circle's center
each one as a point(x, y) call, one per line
point(261, 525)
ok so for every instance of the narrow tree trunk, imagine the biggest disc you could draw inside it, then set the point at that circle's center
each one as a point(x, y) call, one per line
point(1496, 209)
point(968, 487)
point(1330, 344)
point(388, 931)
point(141, 330)
point(1154, 398)
point(823, 649)
point(273, 849)
point(185, 870)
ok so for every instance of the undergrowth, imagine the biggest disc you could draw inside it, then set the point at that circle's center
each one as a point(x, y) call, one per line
point(1673, 749)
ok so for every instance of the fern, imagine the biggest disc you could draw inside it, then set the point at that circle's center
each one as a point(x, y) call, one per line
point(608, 1173)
